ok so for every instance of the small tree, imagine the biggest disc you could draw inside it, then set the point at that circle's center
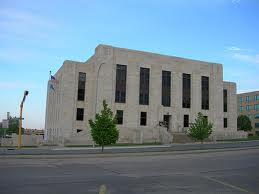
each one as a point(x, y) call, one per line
point(244, 123)
point(103, 129)
point(201, 129)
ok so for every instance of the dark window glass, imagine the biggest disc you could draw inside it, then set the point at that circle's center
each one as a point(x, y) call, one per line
point(143, 118)
point(166, 121)
point(205, 93)
point(225, 100)
point(79, 130)
point(166, 88)
point(121, 77)
point(256, 125)
point(144, 86)
point(186, 99)
point(225, 123)
point(81, 86)
point(185, 120)
point(206, 118)
point(248, 98)
point(119, 117)
point(80, 114)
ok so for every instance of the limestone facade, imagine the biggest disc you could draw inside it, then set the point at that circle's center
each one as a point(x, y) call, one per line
point(61, 122)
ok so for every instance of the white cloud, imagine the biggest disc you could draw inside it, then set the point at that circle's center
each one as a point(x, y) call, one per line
point(233, 48)
point(236, 1)
point(18, 85)
point(15, 23)
point(247, 58)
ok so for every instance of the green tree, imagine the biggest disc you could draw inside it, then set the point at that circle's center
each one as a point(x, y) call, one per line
point(103, 129)
point(244, 123)
point(13, 125)
point(201, 129)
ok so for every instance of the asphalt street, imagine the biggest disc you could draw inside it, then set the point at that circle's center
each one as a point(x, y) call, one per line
point(212, 172)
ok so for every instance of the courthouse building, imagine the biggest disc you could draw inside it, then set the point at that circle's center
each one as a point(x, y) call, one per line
point(147, 91)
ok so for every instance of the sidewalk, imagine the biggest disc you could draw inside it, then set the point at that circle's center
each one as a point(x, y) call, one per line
point(128, 149)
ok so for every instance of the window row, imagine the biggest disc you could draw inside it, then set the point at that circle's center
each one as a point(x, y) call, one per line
point(144, 82)
point(143, 118)
point(249, 98)
point(249, 107)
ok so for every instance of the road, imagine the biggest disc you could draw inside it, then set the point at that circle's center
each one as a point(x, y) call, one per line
point(211, 172)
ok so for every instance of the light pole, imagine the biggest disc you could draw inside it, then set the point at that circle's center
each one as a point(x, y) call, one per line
point(20, 123)
point(97, 87)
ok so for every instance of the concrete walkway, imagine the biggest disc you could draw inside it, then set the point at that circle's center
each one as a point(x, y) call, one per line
point(128, 149)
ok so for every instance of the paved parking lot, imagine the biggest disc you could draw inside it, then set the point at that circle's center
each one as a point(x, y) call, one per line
point(214, 172)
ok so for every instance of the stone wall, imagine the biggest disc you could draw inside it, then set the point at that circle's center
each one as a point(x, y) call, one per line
point(27, 140)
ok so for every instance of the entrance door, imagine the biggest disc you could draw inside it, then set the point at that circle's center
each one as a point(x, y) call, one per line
point(167, 121)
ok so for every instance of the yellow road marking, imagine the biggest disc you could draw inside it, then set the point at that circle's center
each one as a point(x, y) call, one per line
point(227, 184)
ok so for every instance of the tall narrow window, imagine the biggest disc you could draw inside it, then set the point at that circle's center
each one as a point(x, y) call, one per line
point(121, 77)
point(247, 98)
point(185, 120)
point(205, 93)
point(119, 117)
point(225, 123)
point(186, 99)
point(81, 86)
point(144, 86)
point(80, 114)
point(143, 118)
point(166, 88)
point(225, 100)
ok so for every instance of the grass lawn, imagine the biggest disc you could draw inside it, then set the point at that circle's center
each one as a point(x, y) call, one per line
point(249, 138)
point(117, 144)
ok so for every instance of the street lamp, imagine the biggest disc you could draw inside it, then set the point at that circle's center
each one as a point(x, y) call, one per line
point(20, 123)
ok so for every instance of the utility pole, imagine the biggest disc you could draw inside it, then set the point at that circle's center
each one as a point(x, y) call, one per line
point(20, 123)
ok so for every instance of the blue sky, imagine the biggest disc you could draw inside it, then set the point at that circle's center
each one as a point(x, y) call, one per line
point(37, 36)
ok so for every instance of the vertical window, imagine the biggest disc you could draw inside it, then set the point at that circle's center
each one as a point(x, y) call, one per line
point(205, 93)
point(186, 99)
point(121, 77)
point(166, 88)
point(79, 130)
point(241, 108)
point(256, 106)
point(119, 117)
point(256, 116)
point(240, 99)
point(81, 86)
point(80, 114)
point(225, 123)
point(256, 125)
point(247, 98)
point(167, 121)
point(144, 86)
point(225, 100)
point(143, 118)
point(185, 120)
point(256, 97)
point(248, 107)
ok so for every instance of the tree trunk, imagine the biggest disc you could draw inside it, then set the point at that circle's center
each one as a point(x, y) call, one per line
point(102, 148)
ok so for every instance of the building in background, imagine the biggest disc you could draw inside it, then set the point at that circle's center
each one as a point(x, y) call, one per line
point(144, 90)
point(5, 122)
point(248, 104)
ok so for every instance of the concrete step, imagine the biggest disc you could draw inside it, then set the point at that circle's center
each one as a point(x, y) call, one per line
point(181, 138)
